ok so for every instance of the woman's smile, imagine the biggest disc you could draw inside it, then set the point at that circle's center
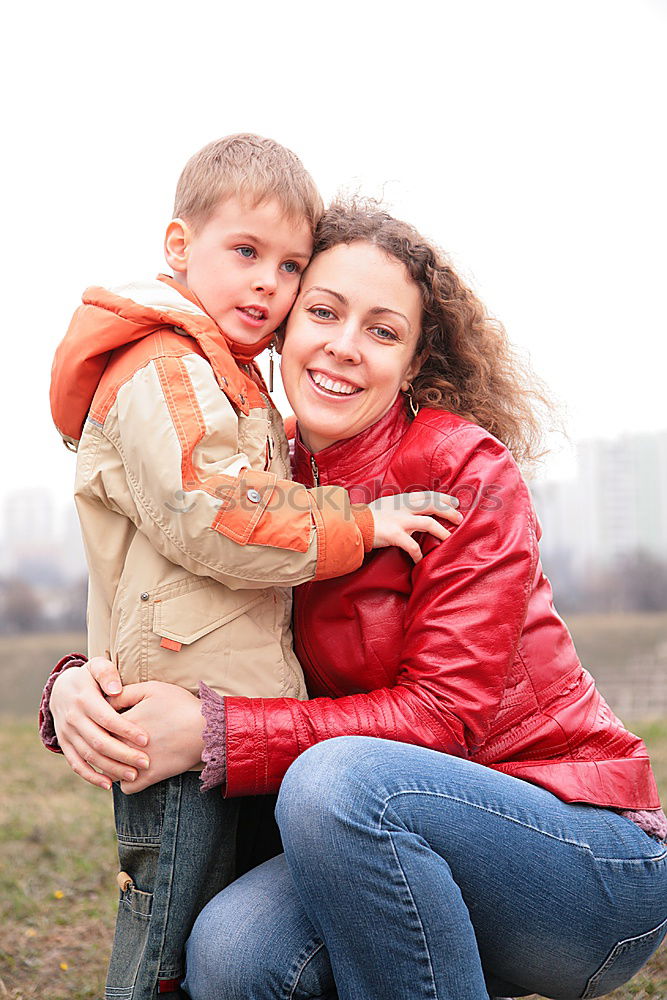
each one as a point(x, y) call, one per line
point(332, 384)
point(350, 342)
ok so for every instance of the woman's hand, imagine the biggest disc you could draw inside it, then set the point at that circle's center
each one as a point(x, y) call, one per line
point(172, 718)
point(397, 518)
point(92, 735)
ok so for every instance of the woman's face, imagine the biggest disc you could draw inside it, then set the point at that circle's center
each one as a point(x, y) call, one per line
point(350, 342)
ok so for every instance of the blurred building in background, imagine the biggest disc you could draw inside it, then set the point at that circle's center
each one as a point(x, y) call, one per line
point(38, 542)
point(605, 530)
point(42, 565)
point(615, 505)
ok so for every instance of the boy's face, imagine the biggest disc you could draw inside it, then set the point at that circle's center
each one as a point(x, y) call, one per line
point(244, 265)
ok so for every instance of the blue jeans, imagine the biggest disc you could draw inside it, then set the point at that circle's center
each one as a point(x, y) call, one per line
point(178, 845)
point(412, 874)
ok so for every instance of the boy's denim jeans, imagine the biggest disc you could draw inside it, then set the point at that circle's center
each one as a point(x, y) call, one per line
point(178, 845)
point(426, 877)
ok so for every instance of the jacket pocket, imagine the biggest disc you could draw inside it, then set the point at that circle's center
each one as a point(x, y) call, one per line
point(189, 615)
point(230, 639)
point(623, 961)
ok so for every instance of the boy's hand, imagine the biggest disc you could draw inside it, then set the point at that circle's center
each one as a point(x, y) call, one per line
point(92, 735)
point(172, 718)
point(397, 518)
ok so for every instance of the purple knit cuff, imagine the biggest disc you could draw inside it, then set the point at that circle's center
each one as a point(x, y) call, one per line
point(651, 821)
point(214, 754)
point(47, 732)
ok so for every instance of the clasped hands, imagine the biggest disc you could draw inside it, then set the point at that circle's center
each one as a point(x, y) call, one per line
point(137, 734)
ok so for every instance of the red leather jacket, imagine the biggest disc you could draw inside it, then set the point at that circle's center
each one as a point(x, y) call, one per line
point(463, 653)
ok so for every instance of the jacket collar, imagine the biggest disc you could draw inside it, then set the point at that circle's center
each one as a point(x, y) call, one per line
point(353, 460)
point(110, 319)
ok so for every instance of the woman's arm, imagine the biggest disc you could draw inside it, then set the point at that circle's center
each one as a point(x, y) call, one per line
point(84, 723)
point(463, 621)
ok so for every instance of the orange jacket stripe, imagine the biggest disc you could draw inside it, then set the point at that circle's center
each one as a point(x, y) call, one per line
point(127, 361)
point(189, 425)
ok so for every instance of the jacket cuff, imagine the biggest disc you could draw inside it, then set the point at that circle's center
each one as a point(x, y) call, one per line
point(214, 754)
point(365, 523)
point(47, 731)
point(651, 821)
point(340, 543)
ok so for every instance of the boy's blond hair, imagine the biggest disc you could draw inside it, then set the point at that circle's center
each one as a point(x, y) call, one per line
point(246, 166)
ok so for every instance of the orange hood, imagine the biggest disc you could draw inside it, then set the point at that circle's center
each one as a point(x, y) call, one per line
point(110, 319)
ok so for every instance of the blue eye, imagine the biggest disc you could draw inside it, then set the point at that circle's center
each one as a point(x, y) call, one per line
point(246, 252)
point(291, 267)
point(321, 312)
point(383, 333)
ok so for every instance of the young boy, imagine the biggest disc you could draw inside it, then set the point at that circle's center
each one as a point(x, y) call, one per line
point(193, 533)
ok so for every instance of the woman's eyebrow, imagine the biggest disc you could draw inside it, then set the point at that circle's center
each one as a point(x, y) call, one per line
point(376, 310)
point(329, 291)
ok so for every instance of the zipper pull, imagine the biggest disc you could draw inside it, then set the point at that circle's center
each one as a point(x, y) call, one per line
point(270, 448)
point(315, 470)
point(272, 349)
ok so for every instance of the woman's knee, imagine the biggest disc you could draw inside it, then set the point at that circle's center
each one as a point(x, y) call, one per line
point(353, 783)
point(329, 784)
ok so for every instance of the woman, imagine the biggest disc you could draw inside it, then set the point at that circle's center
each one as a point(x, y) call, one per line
point(477, 847)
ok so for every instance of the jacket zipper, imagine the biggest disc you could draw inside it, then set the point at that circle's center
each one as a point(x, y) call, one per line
point(314, 470)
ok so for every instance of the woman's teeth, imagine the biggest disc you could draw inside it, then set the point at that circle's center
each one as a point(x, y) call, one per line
point(344, 388)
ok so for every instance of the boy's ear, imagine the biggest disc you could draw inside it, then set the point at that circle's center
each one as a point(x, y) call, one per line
point(176, 245)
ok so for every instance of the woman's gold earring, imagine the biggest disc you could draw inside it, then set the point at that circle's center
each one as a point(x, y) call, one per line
point(272, 348)
point(412, 402)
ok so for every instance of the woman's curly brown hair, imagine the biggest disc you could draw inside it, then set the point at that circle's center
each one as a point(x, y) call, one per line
point(466, 363)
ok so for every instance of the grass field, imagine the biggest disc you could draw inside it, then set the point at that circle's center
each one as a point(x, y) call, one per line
point(57, 852)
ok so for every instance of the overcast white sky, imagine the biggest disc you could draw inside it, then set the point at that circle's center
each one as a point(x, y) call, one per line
point(526, 136)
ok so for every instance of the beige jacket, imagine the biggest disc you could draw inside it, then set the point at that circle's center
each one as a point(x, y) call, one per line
point(193, 532)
